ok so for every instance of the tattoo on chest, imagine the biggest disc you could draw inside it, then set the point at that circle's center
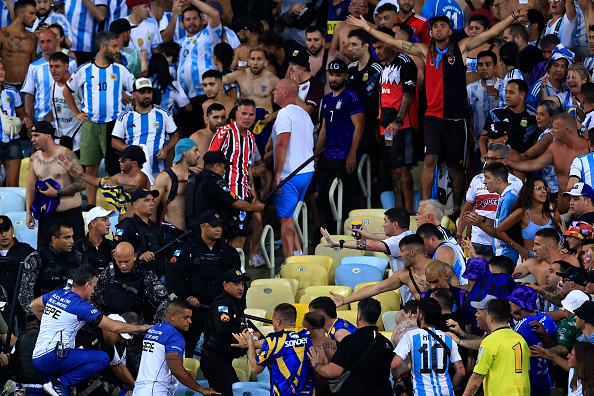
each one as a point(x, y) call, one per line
point(43, 162)
point(263, 88)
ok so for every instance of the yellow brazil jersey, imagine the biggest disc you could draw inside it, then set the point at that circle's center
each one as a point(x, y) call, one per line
point(504, 360)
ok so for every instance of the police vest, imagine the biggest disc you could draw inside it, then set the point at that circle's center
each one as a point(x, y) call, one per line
point(124, 292)
point(216, 344)
point(55, 270)
point(9, 266)
point(151, 239)
point(205, 273)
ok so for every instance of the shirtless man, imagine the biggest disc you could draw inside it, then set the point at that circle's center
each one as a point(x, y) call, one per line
point(340, 39)
point(18, 46)
point(412, 275)
point(43, 166)
point(546, 251)
point(315, 37)
point(567, 146)
point(314, 322)
point(174, 221)
point(212, 81)
point(216, 117)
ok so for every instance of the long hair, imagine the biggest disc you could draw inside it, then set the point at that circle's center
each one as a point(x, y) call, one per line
point(524, 200)
point(433, 52)
point(159, 69)
point(584, 355)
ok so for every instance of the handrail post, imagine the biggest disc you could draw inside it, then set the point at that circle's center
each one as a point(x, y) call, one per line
point(302, 232)
point(336, 208)
point(268, 258)
point(241, 258)
point(365, 183)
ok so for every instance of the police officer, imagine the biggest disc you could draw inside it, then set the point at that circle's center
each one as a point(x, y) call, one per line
point(196, 271)
point(143, 233)
point(50, 267)
point(225, 318)
point(94, 246)
point(209, 190)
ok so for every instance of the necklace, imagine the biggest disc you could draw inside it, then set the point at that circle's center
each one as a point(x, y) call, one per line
point(536, 213)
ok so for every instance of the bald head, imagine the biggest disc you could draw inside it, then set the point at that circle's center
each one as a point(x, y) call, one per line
point(286, 92)
point(124, 256)
point(48, 42)
point(437, 275)
point(47, 34)
point(436, 268)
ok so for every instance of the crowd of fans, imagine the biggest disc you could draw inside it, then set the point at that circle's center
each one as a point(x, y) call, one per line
point(186, 116)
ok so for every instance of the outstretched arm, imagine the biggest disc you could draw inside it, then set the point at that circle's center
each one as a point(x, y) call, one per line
point(533, 165)
point(471, 43)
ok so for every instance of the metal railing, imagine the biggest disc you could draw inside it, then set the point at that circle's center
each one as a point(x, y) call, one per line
point(268, 232)
point(365, 162)
point(336, 207)
point(303, 231)
point(241, 258)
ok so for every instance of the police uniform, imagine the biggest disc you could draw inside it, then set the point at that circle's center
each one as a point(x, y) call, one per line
point(44, 271)
point(97, 257)
point(225, 318)
point(144, 237)
point(197, 270)
point(9, 265)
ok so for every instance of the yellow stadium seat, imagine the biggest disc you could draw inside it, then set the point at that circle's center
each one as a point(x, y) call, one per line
point(306, 274)
point(378, 212)
point(243, 364)
point(390, 301)
point(268, 296)
point(350, 316)
point(338, 238)
point(387, 334)
point(265, 330)
point(374, 224)
point(241, 375)
point(377, 254)
point(261, 313)
point(337, 254)
point(302, 309)
point(292, 283)
point(24, 172)
point(192, 365)
point(324, 261)
point(313, 292)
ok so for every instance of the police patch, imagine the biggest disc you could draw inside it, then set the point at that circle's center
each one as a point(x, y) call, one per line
point(223, 309)
point(224, 317)
point(119, 232)
point(177, 253)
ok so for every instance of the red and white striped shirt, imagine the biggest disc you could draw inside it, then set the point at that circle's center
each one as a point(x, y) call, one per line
point(240, 151)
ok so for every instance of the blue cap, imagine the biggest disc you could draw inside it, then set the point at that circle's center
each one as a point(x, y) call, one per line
point(182, 146)
point(476, 268)
point(524, 296)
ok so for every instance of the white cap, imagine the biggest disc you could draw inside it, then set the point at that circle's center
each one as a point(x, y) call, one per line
point(484, 303)
point(119, 318)
point(574, 300)
point(96, 212)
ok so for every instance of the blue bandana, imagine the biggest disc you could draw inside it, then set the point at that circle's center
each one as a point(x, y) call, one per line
point(440, 54)
point(44, 205)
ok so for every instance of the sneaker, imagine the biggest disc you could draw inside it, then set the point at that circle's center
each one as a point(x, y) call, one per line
point(257, 261)
point(56, 389)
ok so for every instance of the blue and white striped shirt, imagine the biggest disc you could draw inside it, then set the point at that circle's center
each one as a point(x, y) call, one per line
point(38, 82)
point(116, 9)
point(480, 105)
point(533, 97)
point(179, 32)
point(582, 167)
point(589, 63)
point(4, 14)
point(151, 129)
point(83, 25)
point(10, 100)
point(548, 172)
point(513, 74)
point(102, 89)
point(145, 36)
point(54, 17)
point(196, 57)
point(173, 98)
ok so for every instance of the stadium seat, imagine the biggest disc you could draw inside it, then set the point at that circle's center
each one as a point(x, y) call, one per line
point(376, 254)
point(413, 223)
point(302, 309)
point(264, 376)
point(348, 237)
point(192, 365)
point(313, 292)
point(261, 313)
point(387, 334)
point(292, 283)
point(241, 375)
point(246, 386)
point(265, 330)
point(243, 364)
point(377, 262)
point(183, 390)
point(251, 391)
point(11, 202)
point(268, 296)
point(22, 191)
point(24, 172)
point(306, 274)
point(350, 315)
point(389, 320)
point(353, 274)
point(337, 254)
point(21, 231)
point(387, 199)
point(373, 224)
point(324, 261)
point(390, 301)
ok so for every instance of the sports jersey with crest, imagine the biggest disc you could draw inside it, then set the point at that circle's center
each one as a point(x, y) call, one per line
point(82, 24)
point(341, 324)
point(398, 78)
point(145, 36)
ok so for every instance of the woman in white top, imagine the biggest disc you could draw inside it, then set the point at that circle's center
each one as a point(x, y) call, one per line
point(581, 363)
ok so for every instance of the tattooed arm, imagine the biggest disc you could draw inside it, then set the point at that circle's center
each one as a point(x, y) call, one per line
point(551, 297)
point(72, 164)
point(452, 277)
point(77, 184)
point(361, 244)
point(474, 384)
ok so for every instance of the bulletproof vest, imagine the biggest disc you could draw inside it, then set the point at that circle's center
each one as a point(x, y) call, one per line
point(9, 267)
point(56, 269)
point(194, 197)
point(151, 239)
point(124, 292)
point(218, 344)
point(205, 273)
point(92, 259)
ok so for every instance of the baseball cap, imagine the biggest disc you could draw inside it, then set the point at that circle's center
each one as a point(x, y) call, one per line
point(484, 303)
point(575, 274)
point(338, 66)
point(96, 212)
point(211, 217)
point(182, 146)
point(215, 157)
point(476, 268)
point(573, 232)
point(120, 26)
point(5, 223)
point(497, 130)
point(134, 153)
point(142, 83)
point(442, 18)
point(139, 194)
point(585, 312)
point(574, 300)
point(134, 3)
point(119, 318)
point(216, 5)
point(560, 52)
point(524, 296)
point(246, 22)
point(301, 58)
point(235, 276)
point(43, 127)
point(580, 189)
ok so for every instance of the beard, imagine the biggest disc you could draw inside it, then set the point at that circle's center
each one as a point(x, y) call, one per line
point(336, 86)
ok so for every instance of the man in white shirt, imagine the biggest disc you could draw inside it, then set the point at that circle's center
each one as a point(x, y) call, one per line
point(146, 34)
point(292, 144)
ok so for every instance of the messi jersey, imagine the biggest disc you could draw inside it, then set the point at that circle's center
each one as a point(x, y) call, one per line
point(341, 324)
point(285, 353)
point(337, 111)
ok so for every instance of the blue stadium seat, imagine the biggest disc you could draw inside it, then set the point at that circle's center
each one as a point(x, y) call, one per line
point(353, 274)
point(22, 233)
point(387, 199)
point(22, 191)
point(378, 262)
point(183, 390)
point(11, 202)
point(251, 389)
point(264, 376)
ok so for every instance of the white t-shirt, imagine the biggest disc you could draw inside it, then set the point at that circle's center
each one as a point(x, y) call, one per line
point(578, 390)
point(564, 29)
point(297, 121)
point(65, 122)
point(145, 36)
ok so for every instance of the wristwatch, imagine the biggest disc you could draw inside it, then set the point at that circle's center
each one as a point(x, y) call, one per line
point(59, 193)
point(316, 365)
point(398, 120)
point(341, 243)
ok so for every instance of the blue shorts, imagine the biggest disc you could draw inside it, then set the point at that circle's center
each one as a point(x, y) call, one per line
point(291, 193)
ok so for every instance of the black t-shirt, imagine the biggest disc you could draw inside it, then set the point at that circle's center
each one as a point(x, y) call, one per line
point(371, 375)
point(528, 58)
point(587, 218)
point(366, 84)
point(520, 126)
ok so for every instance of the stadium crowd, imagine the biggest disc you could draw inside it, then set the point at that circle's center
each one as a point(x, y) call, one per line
point(153, 138)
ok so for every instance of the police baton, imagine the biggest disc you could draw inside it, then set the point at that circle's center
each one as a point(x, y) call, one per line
point(252, 317)
point(286, 179)
point(178, 239)
point(13, 306)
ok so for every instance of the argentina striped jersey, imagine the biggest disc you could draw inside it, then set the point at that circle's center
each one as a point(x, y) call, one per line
point(83, 25)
